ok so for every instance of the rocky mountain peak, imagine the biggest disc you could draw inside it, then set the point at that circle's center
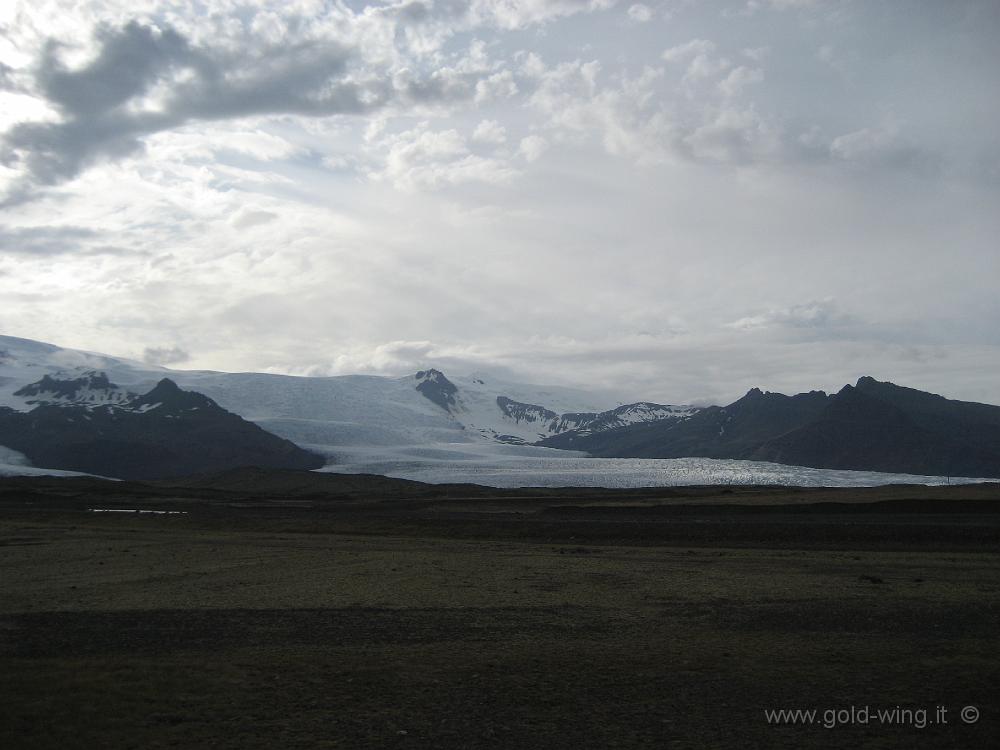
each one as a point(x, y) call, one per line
point(430, 375)
point(167, 394)
point(435, 387)
point(89, 389)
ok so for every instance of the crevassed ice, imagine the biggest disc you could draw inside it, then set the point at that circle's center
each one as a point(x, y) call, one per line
point(577, 471)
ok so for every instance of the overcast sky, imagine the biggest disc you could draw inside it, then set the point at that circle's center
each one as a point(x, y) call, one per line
point(673, 200)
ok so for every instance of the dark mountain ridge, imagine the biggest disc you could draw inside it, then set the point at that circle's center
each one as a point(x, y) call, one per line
point(91, 387)
point(436, 388)
point(585, 423)
point(166, 432)
point(714, 432)
point(872, 426)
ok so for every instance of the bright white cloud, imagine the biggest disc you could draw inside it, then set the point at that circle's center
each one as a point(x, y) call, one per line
point(515, 14)
point(883, 145)
point(734, 135)
point(423, 158)
point(816, 314)
point(498, 86)
point(738, 79)
point(640, 13)
point(689, 50)
point(532, 147)
point(490, 131)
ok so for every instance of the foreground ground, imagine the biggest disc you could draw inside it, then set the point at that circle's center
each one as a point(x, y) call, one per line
point(278, 613)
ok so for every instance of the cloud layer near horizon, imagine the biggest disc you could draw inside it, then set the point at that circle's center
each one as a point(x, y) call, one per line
point(670, 200)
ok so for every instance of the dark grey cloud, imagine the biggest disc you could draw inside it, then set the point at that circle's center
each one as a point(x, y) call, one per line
point(164, 355)
point(102, 103)
point(129, 61)
point(247, 219)
point(6, 77)
point(43, 240)
point(415, 12)
point(441, 86)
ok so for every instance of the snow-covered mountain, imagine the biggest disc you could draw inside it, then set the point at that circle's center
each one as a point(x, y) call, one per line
point(523, 415)
point(90, 389)
point(546, 423)
point(330, 415)
point(89, 424)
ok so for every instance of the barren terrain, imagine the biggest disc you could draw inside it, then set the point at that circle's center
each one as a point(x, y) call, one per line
point(282, 611)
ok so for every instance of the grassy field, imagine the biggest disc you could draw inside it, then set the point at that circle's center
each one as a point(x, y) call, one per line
point(414, 625)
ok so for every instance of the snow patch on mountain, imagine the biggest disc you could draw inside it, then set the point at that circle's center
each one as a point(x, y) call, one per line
point(520, 414)
point(90, 390)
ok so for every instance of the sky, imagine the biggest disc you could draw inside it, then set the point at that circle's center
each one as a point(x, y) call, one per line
point(671, 201)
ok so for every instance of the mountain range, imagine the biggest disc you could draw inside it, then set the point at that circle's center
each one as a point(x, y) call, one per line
point(870, 426)
point(330, 417)
point(88, 412)
point(88, 424)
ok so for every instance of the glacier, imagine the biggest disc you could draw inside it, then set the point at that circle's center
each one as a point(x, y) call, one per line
point(478, 429)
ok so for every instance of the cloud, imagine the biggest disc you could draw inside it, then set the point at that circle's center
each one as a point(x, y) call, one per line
point(6, 77)
point(105, 114)
point(48, 240)
point(882, 146)
point(164, 355)
point(753, 6)
point(145, 80)
point(757, 54)
point(392, 357)
point(816, 314)
point(246, 219)
point(790, 4)
point(837, 60)
point(738, 79)
point(490, 131)
point(698, 107)
point(622, 115)
point(130, 60)
point(640, 13)
point(736, 136)
point(688, 50)
point(254, 143)
point(515, 14)
point(404, 357)
point(278, 180)
point(701, 64)
point(433, 159)
point(532, 147)
point(498, 86)
point(703, 67)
